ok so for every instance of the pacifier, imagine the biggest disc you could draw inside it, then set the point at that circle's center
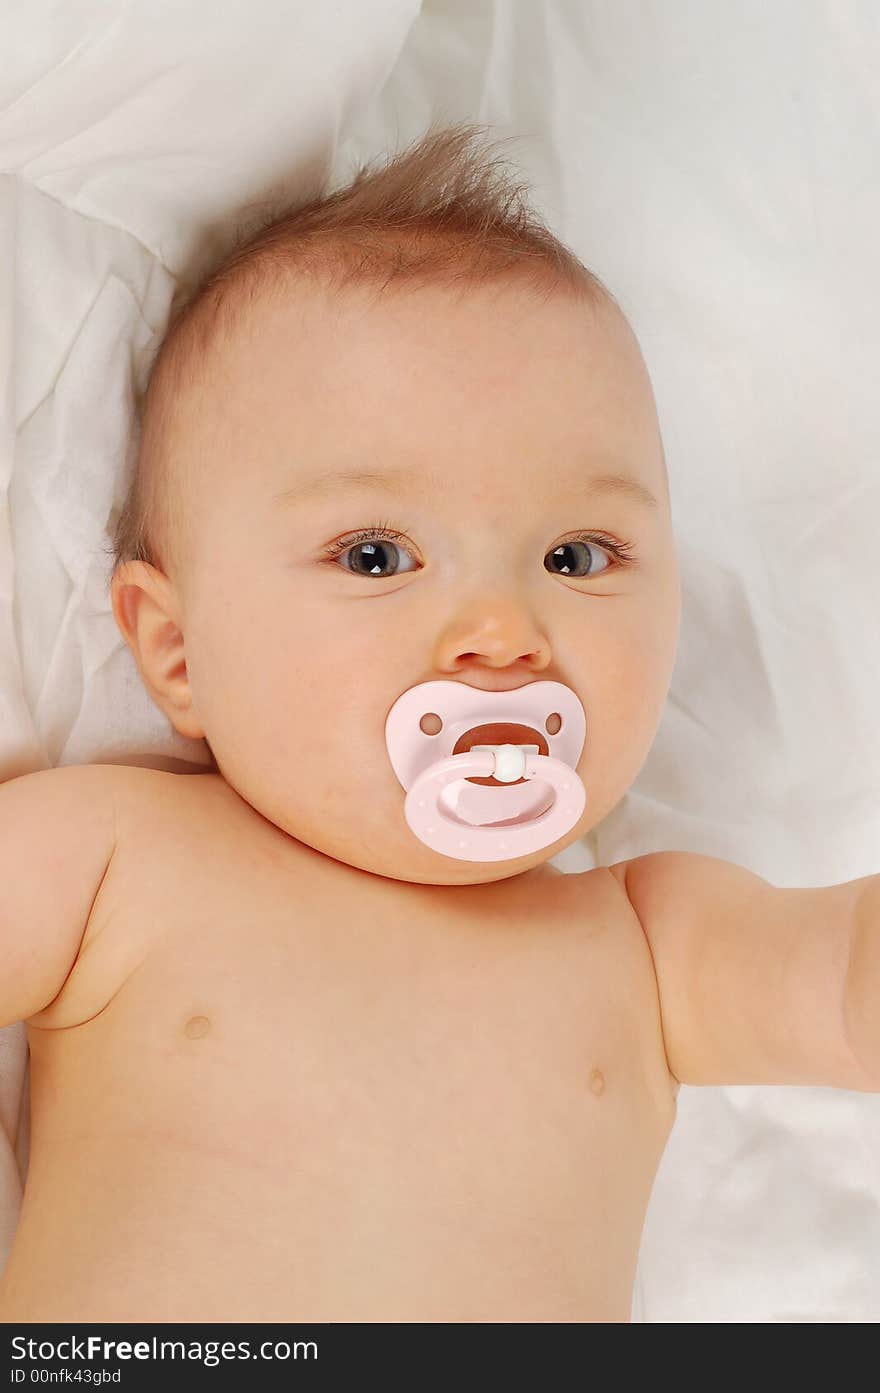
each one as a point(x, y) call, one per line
point(489, 775)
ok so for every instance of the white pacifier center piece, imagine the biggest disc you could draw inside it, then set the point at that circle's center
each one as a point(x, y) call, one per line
point(478, 822)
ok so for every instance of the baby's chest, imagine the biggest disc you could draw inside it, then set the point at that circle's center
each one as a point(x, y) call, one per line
point(333, 1023)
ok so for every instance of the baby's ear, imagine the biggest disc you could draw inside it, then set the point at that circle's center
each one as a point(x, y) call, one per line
point(146, 610)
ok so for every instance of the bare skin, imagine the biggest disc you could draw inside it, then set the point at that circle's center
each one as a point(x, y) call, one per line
point(306, 1067)
point(303, 1066)
point(278, 1088)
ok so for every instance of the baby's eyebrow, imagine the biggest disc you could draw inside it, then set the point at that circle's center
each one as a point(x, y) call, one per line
point(395, 481)
point(392, 480)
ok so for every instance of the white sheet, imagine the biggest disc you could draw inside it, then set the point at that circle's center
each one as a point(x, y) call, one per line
point(718, 166)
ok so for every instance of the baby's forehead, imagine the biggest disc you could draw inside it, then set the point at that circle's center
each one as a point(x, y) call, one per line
point(316, 342)
point(287, 373)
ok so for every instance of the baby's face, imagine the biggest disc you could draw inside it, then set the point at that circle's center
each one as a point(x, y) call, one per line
point(483, 422)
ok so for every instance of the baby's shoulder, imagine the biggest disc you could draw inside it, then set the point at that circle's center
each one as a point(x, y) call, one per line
point(173, 830)
point(151, 817)
point(145, 781)
point(156, 810)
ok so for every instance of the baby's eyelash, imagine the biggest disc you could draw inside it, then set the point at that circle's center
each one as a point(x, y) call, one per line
point(622, 550)
point(381, 530)
point(384, 532)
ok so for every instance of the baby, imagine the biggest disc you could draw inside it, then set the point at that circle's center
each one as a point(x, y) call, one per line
point(290, 1062)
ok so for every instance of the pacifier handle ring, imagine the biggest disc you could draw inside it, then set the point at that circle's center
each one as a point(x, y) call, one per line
point(433, 826)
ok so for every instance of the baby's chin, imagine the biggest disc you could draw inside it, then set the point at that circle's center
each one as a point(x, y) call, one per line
point(382, 843)
point(410, 862)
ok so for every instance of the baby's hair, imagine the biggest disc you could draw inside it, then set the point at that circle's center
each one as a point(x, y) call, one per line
point(442, 212)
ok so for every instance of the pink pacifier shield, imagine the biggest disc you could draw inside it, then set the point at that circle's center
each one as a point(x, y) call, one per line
point(437, 742)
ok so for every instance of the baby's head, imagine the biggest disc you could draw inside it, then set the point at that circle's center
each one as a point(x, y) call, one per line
point(398, 437)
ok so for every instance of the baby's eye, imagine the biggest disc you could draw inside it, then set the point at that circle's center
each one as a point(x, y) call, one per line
point(376, 556)
point(574, 558)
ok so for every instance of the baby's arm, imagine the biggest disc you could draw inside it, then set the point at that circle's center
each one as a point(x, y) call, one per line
point(757, 984)
point(57, 837)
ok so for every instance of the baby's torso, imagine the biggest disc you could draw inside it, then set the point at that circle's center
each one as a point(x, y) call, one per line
point(277, 1088)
